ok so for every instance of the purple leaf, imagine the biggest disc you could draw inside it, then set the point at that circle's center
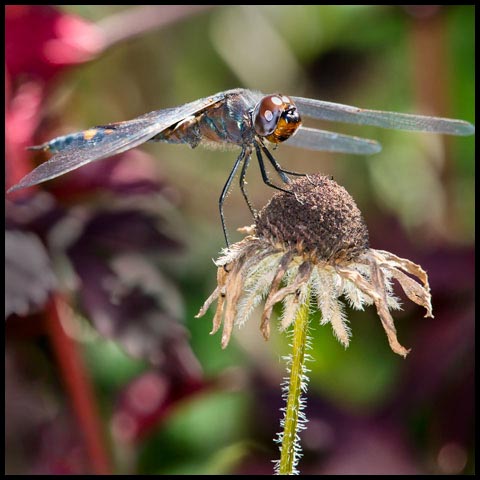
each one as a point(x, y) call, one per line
point(124, 230)
point(28, 274)
point(129, 301)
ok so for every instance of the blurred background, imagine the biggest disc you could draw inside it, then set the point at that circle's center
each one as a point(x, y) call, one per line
point(107, 370)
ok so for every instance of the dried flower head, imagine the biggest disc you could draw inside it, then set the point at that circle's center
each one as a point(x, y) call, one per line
point(312, 242)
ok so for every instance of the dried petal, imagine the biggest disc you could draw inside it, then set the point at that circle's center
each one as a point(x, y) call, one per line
point(256, 286)
point(291, 304)
point(380, 303)
point(267, 312)
point(403, 263)
point(221, 279)
point(414, 291)
point(302, 277)
point(233, 290)
point(214, 295)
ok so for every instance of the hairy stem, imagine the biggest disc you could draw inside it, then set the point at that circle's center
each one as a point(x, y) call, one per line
point(294, 419)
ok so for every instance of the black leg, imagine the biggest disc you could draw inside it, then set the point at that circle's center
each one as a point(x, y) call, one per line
point(295, 174)
point(266, 180)
point(226, 187)
point(276, 165)
point(248, 156)
point(281, 172)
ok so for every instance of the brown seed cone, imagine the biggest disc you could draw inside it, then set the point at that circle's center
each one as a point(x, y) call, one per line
point(318, 218)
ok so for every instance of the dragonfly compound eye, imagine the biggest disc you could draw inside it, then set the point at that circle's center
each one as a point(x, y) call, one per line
point(276, 118)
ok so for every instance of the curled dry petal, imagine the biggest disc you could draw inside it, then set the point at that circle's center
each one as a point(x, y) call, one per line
point(291, 304)
point(233, 290)
point(282, 268)
point(208, 302)
point(301, 278)
point(380, 303)
point(221, 279)
point(405, 264)
point(415, 292)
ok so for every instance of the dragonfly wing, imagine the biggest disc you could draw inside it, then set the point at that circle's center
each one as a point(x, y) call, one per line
point(337, 112)
point(121, 136)
point(312, 139)
point(70, 159)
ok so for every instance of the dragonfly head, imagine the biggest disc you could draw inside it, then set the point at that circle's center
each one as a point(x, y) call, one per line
point(276, 118)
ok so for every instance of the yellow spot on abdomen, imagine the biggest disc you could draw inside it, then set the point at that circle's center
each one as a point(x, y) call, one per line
point(89, 134)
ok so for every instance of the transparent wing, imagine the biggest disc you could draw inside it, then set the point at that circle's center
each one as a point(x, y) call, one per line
point(337, 112)
point(123, 136)
point(313, 139)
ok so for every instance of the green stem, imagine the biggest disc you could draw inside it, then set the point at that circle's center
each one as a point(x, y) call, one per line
point(290, 448)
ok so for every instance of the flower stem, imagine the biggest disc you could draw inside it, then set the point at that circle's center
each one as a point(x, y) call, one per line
point(294, 418)
point(79, 387)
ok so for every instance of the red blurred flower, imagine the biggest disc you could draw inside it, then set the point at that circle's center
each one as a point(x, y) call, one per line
point(22, 117)
point(40, 41)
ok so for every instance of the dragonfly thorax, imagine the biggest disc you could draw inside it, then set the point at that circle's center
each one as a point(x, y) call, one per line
point(227, 123)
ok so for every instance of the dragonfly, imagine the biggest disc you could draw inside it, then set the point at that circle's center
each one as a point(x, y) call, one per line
point(249, 120)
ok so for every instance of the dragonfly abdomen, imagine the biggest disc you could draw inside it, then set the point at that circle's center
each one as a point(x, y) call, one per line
point(89, 137)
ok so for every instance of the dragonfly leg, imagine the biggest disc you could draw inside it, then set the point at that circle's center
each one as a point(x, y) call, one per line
point(248, 156)
point(265, 178)
point(281, 172)
point(225, 190)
